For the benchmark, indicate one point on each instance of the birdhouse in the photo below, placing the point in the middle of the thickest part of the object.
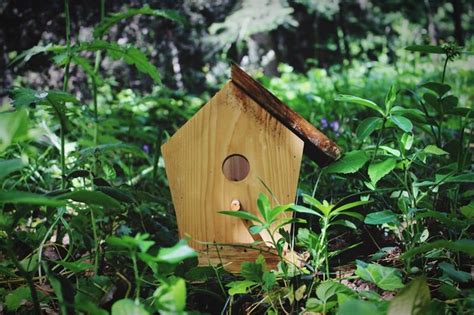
(243, 142)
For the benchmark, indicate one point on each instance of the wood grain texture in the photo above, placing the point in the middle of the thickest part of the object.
(230, 123)
(317, 146)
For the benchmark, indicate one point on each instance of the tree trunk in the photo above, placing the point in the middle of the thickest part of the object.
(458, 31)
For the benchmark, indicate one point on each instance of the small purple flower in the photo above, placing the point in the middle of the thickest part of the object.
(324, 123)
(146, 148)
(334, 125)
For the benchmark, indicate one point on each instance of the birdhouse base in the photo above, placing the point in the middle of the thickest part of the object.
(231, 256)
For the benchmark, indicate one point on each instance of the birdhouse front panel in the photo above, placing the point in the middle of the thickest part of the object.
(221, 159)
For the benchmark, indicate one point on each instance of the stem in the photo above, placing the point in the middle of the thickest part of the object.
(137, 276)
(65, 85)
(379, 139)
(96, 241)
(444, 69)
(28, 278)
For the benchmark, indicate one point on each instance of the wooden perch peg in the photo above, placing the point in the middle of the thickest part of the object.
(235, 205)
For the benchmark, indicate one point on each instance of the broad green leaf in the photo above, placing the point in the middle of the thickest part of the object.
(407, 141)
(390, 98)
(278, 210)
(351, 162)
(449, 102)
(115, 18)
(412, 299)
(263, 204)
(390, 150)
(462, 245)
(91, 198)
(131, 55)
(302, 209)
(240, 287)
(171, 295)
(255, 229)
(381, 217)
(385, 278)
(21, 197)
(128, 307)
(17, 297)
(437, 87)
(13, 127)
(468, 210)
(328, 289)
(429, 49)
(456, 275)
(9, 166)
(433, 101)
(140, 241)
(252, 271)
(351, 306)
(402, 122)
(359, 101)
(345, 223)
(76, 266)
(269, 280)
(379, 170)
(368, 126)
(242, 215)
(433, 149)
(351, 205)
(177, 253)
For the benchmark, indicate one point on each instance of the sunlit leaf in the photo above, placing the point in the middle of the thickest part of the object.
(359, 101)
(351, 162)
(380, 217)
(412, 299)
(378, 170)
(386, 278)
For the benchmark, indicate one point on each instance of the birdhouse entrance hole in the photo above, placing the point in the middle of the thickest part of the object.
(235, 167)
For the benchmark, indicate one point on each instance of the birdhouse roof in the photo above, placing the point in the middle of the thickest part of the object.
(317, 146)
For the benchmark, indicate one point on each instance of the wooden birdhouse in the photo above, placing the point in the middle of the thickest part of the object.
(242, 140)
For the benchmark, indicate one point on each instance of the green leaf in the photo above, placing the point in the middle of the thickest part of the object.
(390, 97)
(255, 229)
(449, 102)
(240, 287)
(21, 197)
(381, 217)
(456, 275)
(379, 170)
(302, 209)
(9, 166)
(468, 210)
(402, 122)
(352, 306)
(171, 295)
(242, 215)
(385, 278)
(359, 101)
(462, 245)
(252, 271)
(17, 297)
(115, 18)
(91, 198)
(438, 88)
(345, 223)
(26, 55)
(176, 254)
(269, 280)
(351, 205)
(351, 162)
(13, 127)
(429, 49)
(263, 204)
(76, 266)
(128, 307)
(412, 299)
(406, 141)
(368, 126)
(433, 101)
(328, 289)
(140, 241)
(433, 149)
(131, 55)
(278, 210)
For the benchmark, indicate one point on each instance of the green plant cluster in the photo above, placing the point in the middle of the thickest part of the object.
(86, 220)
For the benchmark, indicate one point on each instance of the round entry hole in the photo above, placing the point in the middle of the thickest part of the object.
(235, 167)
